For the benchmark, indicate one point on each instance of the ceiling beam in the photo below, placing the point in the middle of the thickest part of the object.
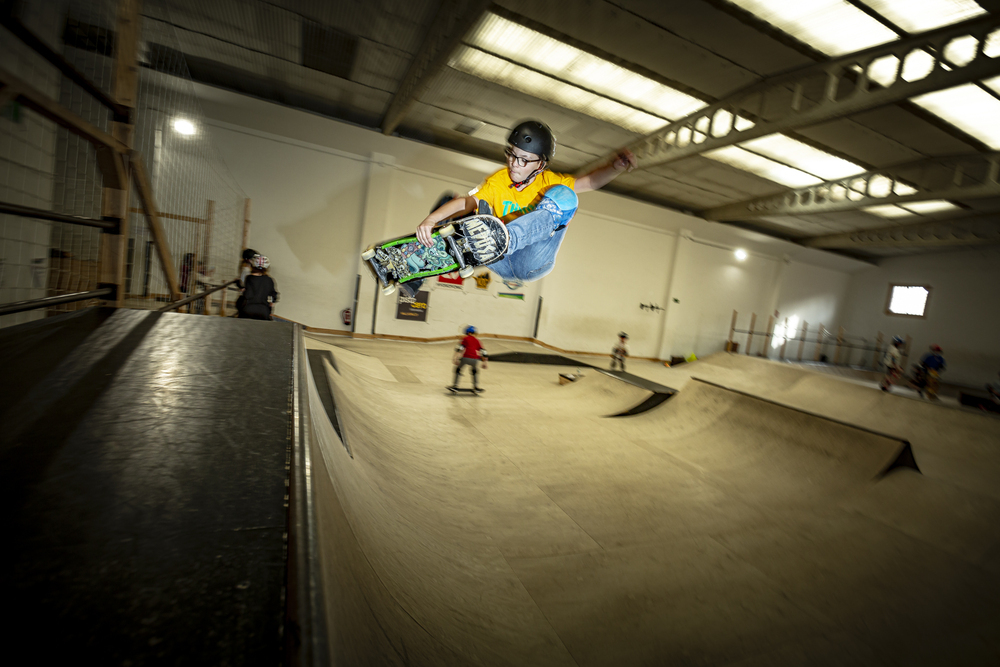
(978, 230)
(972, 176)
(454, 18)
(815, 94)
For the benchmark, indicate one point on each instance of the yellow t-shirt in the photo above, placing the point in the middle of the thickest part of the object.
(509, 203)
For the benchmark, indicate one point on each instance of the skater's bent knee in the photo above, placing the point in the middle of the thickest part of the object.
(563, 197)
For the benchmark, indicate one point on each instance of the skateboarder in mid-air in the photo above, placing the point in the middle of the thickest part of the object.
(469, 353)
(535, 203)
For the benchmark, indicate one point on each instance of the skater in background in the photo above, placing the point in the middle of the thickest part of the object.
(259, 294)
(892, 360)
(245, 267)
(620, 351)
(469, 353)
(931, 365)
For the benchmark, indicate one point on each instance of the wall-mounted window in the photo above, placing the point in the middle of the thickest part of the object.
(908, 300)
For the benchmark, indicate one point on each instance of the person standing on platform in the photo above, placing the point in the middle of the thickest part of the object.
(259, 294)
(892, 360)
(469, 353)
(620, 351)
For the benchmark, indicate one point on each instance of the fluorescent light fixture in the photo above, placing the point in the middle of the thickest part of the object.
(513, 76)
(741, 254)
(762, 166)
(802, 156)
(887, 211)
(183, 126)
(969, 108)
(835, 27)
(911, 208)
(528, 47)
(922, 15)
(931, 206)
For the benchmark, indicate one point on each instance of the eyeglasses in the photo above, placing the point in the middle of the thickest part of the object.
(517, 159)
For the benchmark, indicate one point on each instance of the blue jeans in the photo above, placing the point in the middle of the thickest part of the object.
(535, 237)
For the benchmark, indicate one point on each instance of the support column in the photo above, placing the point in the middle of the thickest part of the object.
(665, 343)
(374, 221)
(113, 250)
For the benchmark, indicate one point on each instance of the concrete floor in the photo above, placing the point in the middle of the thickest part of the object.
(522, 527)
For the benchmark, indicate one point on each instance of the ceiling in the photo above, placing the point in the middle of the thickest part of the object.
(601, 73)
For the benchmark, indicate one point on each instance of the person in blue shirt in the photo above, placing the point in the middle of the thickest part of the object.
(932, 364)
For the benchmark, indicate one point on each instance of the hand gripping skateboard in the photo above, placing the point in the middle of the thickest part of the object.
(462, 245)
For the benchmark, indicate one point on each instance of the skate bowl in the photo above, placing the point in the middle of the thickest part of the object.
(514, 529)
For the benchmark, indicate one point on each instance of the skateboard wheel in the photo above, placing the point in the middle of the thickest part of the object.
(466, 271)
(389, 290)
(368, 254)
(447, 230)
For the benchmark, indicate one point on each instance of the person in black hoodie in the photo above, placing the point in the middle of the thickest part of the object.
(259, 294)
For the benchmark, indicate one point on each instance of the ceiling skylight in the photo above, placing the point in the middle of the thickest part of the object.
(762, 166)
(922, 15)
(969, 108)
(511, 75)
(802, 156)
(540, 52)
(835, 27)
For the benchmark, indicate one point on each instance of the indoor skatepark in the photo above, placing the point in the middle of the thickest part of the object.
(811, 186)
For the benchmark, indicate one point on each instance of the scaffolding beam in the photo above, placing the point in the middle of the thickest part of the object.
(977, 230)
(971, 176)
(454, 18)
(846, 85)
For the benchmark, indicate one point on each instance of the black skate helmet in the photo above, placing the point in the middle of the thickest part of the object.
(896, 340)
(622, 334)
(248, 254)
(534, 137)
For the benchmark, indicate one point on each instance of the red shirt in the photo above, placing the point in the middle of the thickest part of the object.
(472, 347)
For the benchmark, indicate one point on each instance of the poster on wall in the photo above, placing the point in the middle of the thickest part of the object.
(482, 281)
(450, 280)
(413, 308)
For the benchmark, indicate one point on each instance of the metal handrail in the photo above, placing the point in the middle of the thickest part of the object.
(42, 214)
(200, 295)
(46, 301)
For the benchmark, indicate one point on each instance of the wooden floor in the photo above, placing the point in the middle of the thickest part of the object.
(523, 527)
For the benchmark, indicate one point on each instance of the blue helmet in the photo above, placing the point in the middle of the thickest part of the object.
(470, 330)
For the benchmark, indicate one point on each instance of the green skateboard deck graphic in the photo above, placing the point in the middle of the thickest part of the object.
(409, 255)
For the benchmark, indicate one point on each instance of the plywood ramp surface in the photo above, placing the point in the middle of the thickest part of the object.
(521, 527)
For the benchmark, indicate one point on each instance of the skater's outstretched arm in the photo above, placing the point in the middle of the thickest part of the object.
(597, 179)
(445, 211)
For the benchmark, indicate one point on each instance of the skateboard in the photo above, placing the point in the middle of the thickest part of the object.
(467, 390)
(462, 245)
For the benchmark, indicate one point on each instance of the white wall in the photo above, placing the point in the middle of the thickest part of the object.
(323, 190)
(963, 312)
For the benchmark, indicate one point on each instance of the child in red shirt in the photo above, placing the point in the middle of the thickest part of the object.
(469, 353)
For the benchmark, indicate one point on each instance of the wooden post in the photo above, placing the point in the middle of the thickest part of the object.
(113, 248)
(878, 351)
(246, 224)
(840, 343)
(785, 341)
(769, 336)
(802, 341)
(206, 247)
(732, 332)
(819, 343)
(222, 306)
(145, 192)
(753, 323)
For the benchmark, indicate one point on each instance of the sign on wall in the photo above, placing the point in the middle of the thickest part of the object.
(450, 280)
(483, 281)
(413, 308)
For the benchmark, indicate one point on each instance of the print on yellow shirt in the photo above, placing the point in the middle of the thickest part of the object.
(509, 203)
